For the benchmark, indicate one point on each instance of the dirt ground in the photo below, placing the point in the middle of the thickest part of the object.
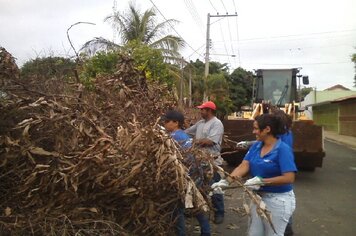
(326, 199)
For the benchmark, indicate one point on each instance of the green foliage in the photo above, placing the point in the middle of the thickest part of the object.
(305, 91)
(241, 87)
(197, 69)
(217, 85)
(100, 64)
(218, 91)
(48, 67)
(229, 92)
(143, 28)
(214, 67)
(147, 59)
(217, 67)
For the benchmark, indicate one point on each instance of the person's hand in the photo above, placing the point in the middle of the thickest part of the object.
(254, 183)
(242, 144)
(221, 184)
(245, 144)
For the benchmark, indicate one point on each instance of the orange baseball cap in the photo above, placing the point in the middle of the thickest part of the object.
(208, 104)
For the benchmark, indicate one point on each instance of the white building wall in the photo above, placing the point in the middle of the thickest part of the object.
(322, 96)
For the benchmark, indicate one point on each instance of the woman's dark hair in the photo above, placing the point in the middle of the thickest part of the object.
(287, 119)
(275, 123)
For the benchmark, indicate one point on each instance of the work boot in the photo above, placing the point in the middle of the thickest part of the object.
(218, 219)
(289, 230)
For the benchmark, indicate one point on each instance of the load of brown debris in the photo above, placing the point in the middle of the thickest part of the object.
(88, 161)
(78, 160)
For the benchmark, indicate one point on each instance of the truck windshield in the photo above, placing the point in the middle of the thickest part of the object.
(277, 86)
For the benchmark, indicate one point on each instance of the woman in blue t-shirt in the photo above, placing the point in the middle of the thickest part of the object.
(270, 162)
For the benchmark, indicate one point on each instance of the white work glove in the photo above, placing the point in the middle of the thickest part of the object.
(245, 144)
(217, 190)
(254, 183)
(221, 184)
(241, 144)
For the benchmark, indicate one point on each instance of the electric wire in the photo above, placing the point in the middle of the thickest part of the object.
(224, 6)
(229, 29)
(300, 35)
(193, 12)
(293, 64)
(237, 35)
(154, 5)
(222, 35)
(213, 7)
(294, 48)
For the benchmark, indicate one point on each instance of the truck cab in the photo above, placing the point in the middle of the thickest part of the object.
(278, 87)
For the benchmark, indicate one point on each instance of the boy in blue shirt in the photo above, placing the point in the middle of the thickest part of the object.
(173, 123)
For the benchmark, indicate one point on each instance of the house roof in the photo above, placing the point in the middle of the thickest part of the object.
(352, 97)
(338, 100)
(337, 87)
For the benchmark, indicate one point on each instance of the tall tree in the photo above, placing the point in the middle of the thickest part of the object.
(241, 82)
(142, 27)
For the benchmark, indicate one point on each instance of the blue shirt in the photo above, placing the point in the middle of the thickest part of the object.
(182, 138)
(278, 161)
(185, 142)
(287, 138)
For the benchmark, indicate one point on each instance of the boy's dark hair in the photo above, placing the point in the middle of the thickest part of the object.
(174, 116)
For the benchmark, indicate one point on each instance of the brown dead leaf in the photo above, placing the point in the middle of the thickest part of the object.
(129, 191)
(42, 152)
(7, 211)
(93, 209)
(232, 226)
(25, 131)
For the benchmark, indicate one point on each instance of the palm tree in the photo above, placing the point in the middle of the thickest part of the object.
(141, 27)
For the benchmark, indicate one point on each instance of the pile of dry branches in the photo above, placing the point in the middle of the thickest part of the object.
(88, 161)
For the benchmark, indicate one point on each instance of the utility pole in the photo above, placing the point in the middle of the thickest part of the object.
(190, 87)
(207, 47)
(181, 82)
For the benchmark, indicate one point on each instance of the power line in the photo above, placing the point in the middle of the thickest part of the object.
(290, 64)
(295, 48)
(237, 35)
(196, 50)
(233, 1)
(193, 12)
(224, 6)
(229, 29)
(213, 7)
(222, 35)
(154, 5)
(267, 40)
(298, 35)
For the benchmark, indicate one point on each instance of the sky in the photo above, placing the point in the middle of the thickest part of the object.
(318, 36)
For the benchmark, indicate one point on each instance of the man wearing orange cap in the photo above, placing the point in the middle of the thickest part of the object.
(208, 133)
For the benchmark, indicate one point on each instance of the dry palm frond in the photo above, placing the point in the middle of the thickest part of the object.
(89, 161)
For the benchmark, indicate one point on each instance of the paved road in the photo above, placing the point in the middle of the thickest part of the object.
(326, 199)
